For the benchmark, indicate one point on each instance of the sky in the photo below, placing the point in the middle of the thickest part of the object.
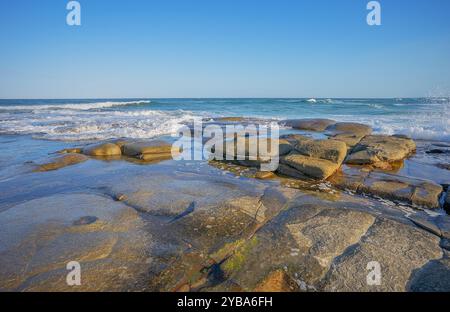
(224, 48)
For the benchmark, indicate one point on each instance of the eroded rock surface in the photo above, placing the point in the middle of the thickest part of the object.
(309, 124)
(317, 159)
(61, 162)
(400, 250)
(102, 149)
(380, 150)
(40, 237)
(390, 186)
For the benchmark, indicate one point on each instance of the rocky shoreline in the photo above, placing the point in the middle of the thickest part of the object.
(136, 220)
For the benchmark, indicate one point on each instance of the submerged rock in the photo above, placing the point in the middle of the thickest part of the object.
(102, 149)
(380, 149)
(308, 124)
(61, 162)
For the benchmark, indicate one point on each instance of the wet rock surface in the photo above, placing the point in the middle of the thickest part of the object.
(61, 162)
(137, 220)
(390, 186)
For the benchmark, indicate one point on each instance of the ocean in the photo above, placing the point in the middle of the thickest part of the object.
(78, 120)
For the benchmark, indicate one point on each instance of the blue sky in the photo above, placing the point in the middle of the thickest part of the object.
(224, 48)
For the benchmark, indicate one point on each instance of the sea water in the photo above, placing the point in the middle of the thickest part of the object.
(77, 120)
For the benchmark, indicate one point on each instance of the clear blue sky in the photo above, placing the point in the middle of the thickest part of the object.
(224, 48)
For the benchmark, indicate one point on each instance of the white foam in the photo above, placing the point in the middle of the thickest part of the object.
(72, 106)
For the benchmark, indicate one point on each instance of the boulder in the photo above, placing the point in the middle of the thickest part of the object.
(379, 149)
(61, 162)
(308, 124)
(102, 149)
(400, 250)
(148, 147)
(349, 127)
(332, 150)
(73, 150)
(317, 159)
(315, 168)
(350, 139)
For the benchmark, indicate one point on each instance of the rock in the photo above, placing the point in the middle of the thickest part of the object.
(302, 241)
(348, 138)
(85, 220)
(38, 238)
(447, 200)
(389, 186)
(75, 150)
(317, 159)
(426, 224)
(277, 281)
(438, 151)
(230, 119)
(375, 149)
(445, 244)
(149, 147)
(433, 277)
(332, 150)
(444, 166)
(264, 175)
(308, 124)
(315, 168)
(350, 127)
(399, 249)
(155, 157)
(285, 147)
(61, 162)
(102, 149)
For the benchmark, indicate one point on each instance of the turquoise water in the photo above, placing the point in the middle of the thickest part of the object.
(73, 120)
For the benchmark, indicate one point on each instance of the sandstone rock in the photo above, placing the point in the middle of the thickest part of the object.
(389, 186)
(308, 124)
(303, 241)
(277, 281)
(315, 168)
(102, 149)
(350, 127)
(230, 119)
(398, 248)
(263, 175)
(375, 149)
(350, 139)
(149, 147)
(332, 150)
(61, 162)
(316, 159)
(40, 237)
(285, 147)
(74, 150)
